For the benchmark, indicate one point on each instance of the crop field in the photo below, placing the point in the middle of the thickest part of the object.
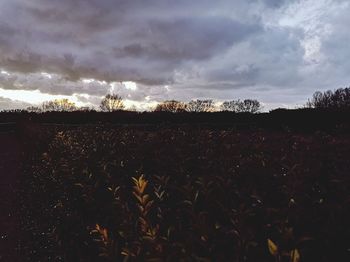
(185, 193)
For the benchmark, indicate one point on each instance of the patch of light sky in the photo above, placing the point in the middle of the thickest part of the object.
(35, 97)
(46, 75)
(312, 17)
(127, 84)
(4, 72)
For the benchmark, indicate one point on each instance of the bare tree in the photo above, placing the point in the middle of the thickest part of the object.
(133, 108)
(61, 105)
(230, 106)
(340, 98)
(85, 109)
(112, 102)
(316, 100)
(171, 106)
(248, 105)
(251, 106)
(200, 106)
(34, 109)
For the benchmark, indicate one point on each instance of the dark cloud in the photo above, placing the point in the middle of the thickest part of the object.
(111, 40)
(52, 84)
(277, 3)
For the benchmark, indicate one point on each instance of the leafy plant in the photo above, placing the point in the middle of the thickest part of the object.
(293, 255)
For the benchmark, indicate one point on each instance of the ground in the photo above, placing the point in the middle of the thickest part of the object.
(212, 192)
(10, 163)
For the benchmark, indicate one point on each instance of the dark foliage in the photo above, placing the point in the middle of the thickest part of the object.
(171, 106)
(199, 193)
(247, 105)
(339, 99)
(294, 120)
(200, 105)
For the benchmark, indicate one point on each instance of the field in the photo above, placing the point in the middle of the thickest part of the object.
(171, 192)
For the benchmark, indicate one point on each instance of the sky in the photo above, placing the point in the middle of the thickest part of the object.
(276, 51)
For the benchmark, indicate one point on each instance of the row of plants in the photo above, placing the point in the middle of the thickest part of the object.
(186, 194)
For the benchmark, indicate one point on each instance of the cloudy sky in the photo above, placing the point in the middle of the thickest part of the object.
(276, 51)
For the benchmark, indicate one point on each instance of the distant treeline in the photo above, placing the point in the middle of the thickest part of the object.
(306, 119)
(114, 102)
(338, 99)
(326, 111)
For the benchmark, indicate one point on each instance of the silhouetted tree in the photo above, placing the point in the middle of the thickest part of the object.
(170, 106)
(59, 105)
(112, 102)
(230, 106)
(251, 106)
(200, 105)
(34, 109)
(248, 105)
(86, 109)
(340, 98)
(132, 108)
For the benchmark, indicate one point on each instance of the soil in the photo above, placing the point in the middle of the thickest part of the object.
(10, 170)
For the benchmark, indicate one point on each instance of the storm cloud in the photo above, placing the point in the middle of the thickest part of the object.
(279, 52)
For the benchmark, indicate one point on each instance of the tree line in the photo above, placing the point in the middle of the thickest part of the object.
(114, 102)
(208, 105)
(337, 99)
